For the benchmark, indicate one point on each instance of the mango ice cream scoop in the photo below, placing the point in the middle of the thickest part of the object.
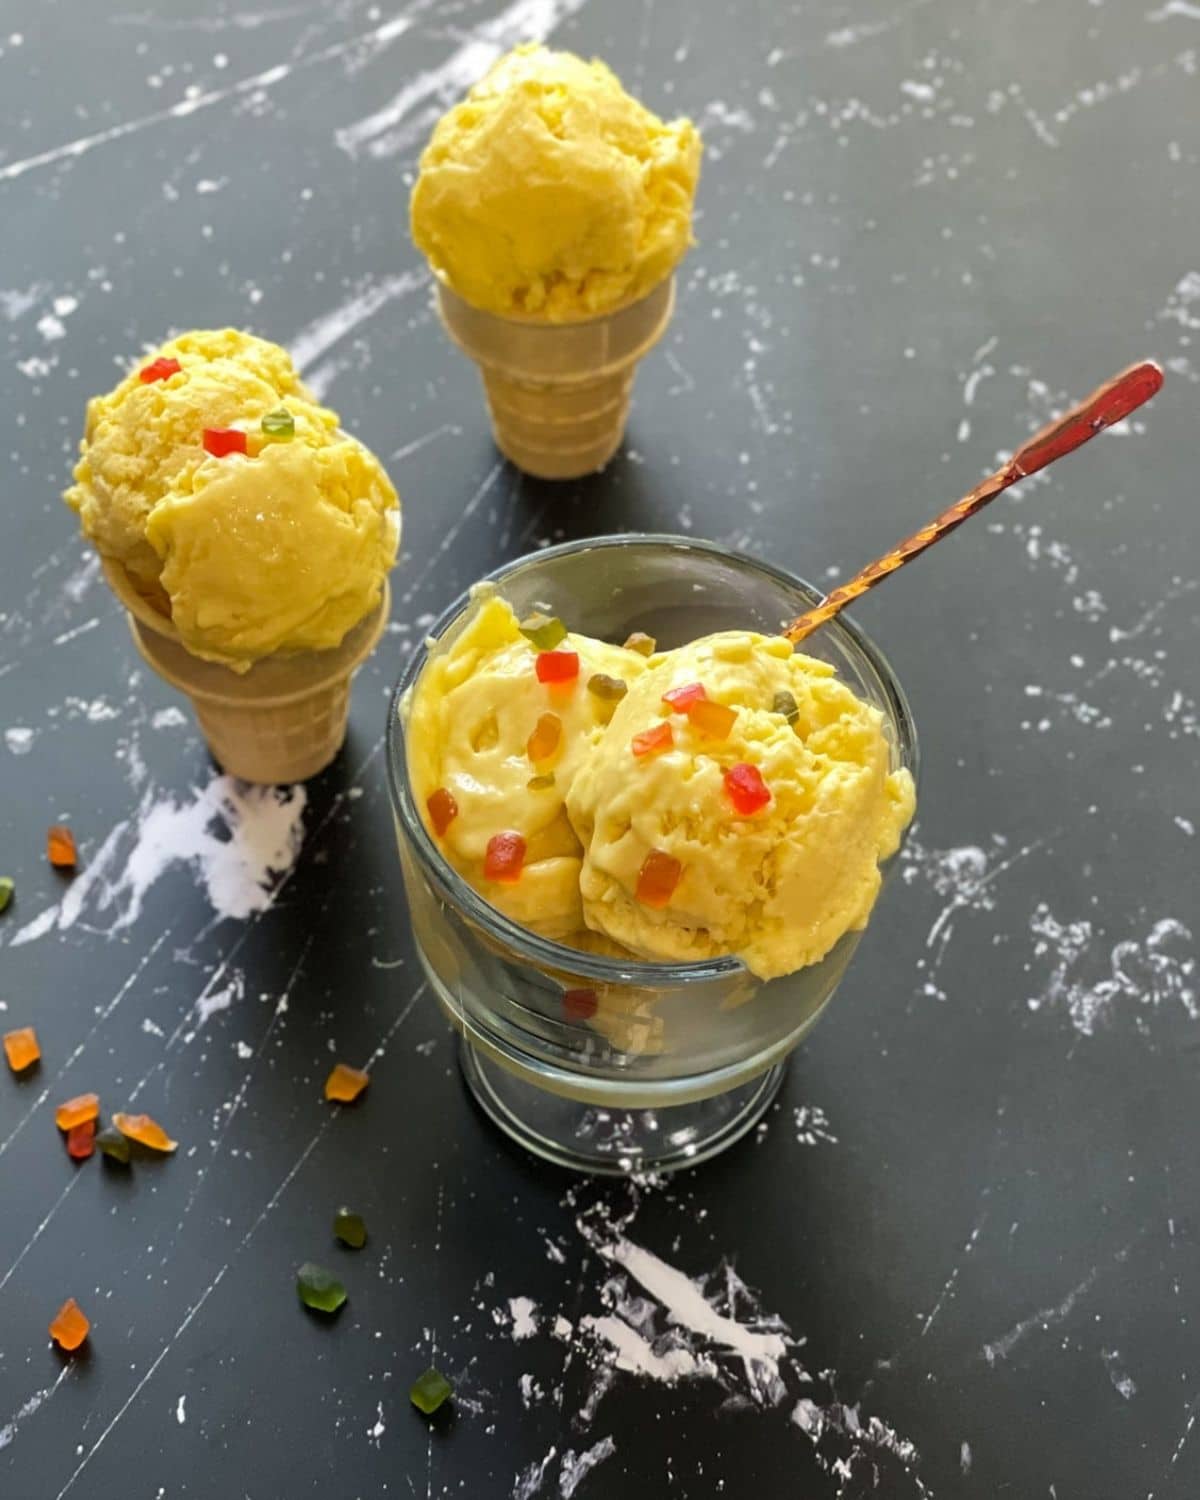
(249, 538)
(731, 796)
(553, 209)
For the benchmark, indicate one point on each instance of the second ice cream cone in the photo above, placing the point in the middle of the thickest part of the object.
(284, 719)
(558, 393)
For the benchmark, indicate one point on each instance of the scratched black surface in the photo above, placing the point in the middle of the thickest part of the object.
(923, 227)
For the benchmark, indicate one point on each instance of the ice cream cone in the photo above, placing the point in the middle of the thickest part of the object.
(284, 719)
(558, 393)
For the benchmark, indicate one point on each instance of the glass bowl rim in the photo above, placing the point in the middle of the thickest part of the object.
(528, 945)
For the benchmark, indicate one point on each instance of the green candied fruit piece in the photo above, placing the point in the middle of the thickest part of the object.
(6, 890)
(114, 1145)
(543, 632)
(608, 689)
(786, 705)
(319, 1289)
(540, 783)
(350, 1228)
(429, 1391)
(279, 426)
(643, 644)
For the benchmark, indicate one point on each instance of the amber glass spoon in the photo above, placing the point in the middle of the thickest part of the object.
(1113, 402)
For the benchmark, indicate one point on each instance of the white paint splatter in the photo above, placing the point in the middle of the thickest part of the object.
(529, 1481)
(524, 1317)
(168, 718)
(378, 1428)
(1123, 1383)
(1143, 975)
(180, 1410)
(208, 1005)
(19, 739)
(576, 1467)
(319, 336)
(239, 840)
(812, 1125)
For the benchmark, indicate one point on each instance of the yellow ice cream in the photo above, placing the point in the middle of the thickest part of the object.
(470, 722)
(779, 887)
(284, 548)
(549, 192)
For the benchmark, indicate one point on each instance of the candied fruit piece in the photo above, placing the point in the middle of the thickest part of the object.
(429, 1391)
(114, 1145)
(319, 1289)
(679, 698)
(222, 441)
(652, 741)
(21, 1048)
(607, 689)
(81, 1140)
(278, 426)
(70, 1326)
(77, 1111)
(786, 705)
(159, 369)
(6, 890)
(747, 790)
(442, 810)
(557, 666)
(145, 1131)
(543, 743)
(60, 847)
(505, 858)
(579, 1005)
(345, 1083)
(713, 720)
(643, 644)
(540, 783)
(543, 632)
(657, 879)
(350, 1228)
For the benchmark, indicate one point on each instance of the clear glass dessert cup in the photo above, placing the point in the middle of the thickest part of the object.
(618, 1065)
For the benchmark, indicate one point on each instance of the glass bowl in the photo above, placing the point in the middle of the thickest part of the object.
(600, 1064)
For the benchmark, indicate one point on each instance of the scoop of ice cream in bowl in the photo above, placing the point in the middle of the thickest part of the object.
(641, 837)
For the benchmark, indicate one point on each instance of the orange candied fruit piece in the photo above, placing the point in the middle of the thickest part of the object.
(145, 1131)
(442, 810)
(77, 1111)
(713, 720)
(652, 741)
(70, 1326)
(680, 697)
(543, 743)
(21, 1048)
(81, 1140)
(505, 858)
(345, 1083)
(60, 847)
(657, 879)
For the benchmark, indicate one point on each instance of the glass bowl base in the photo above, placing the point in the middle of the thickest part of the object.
(615, 1142)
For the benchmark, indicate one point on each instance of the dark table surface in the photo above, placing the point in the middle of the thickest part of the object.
(972, 1219)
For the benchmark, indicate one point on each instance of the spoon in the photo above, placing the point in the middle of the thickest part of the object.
(1112, 402)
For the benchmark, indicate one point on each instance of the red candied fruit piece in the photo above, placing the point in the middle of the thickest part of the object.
(653, 741)
(580, 1005)
(557, 666)
(442, 810)
(505, 858)
(222, 441)
(680, 697)
(81, 1140)
(713, 720)
(747, 790)
(657, 879)
(159, 369)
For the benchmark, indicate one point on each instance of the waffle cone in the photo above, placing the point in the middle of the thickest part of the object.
(558, 393)
(284, 719)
